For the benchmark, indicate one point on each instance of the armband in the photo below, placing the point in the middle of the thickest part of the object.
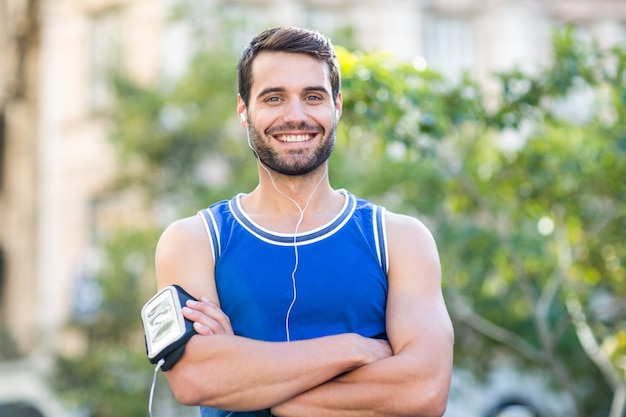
(166, 329)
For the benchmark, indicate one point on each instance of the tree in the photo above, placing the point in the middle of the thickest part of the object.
(526, 202)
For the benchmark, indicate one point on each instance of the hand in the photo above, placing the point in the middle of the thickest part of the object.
(208, 318)
(371, 350)
(378, 349)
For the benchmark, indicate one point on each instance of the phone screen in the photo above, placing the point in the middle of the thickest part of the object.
(164, 323)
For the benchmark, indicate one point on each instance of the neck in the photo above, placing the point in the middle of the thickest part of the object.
(293, 204)
(300, 191)
(290, 195)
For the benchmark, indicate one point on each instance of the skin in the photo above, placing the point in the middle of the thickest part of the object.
(340, 375)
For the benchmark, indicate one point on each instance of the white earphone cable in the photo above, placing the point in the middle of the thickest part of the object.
(295, 233)
(154, 378)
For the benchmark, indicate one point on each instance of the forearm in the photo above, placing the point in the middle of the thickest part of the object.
(395, 386)
(238, 374)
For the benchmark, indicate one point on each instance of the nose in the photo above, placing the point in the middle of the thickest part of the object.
(294, 112)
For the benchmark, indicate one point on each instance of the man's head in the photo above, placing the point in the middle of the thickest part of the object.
(290, 40)
(289, 100)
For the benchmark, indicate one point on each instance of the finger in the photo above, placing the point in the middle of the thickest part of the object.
(212, 310)
(203, 325)
(219, 316)
(205, 321)
(201, 329)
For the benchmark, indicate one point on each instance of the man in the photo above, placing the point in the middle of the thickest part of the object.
(312, 302)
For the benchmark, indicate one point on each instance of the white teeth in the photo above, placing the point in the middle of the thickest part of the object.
(293, 138)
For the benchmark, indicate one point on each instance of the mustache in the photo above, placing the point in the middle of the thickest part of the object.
(290, 127)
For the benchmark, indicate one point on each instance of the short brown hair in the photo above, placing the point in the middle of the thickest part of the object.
(293, 40)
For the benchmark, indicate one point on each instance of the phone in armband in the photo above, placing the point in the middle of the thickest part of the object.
(166, 330)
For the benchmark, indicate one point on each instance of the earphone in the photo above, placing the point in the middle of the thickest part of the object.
(302, 210)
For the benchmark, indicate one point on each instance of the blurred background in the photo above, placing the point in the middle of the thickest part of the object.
(500, 123)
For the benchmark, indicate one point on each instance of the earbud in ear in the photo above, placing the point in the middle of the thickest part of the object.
(242, 116)
(336, 114)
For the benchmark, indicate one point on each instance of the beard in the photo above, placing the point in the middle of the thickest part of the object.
(295, 162)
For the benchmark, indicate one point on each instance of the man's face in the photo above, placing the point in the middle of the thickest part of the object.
(291, 114)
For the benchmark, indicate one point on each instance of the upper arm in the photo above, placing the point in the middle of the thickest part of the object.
(184, 257)
(418, 323)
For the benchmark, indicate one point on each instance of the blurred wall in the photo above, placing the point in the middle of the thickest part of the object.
(20, 52)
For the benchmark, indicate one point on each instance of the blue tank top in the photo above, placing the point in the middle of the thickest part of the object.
(281, 287)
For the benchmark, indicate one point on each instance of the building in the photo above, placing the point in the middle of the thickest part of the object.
(55, 162)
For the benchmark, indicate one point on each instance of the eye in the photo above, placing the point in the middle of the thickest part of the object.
(314, 97)
(272, 99)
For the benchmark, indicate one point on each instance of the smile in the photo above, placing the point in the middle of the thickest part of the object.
(294, 138)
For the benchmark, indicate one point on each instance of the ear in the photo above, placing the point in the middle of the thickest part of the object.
(242, 111)
(338, 106)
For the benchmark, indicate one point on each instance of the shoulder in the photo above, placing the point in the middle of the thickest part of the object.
(191, 230)
(402, 226)
(403, 231)
(183, 255)
(186, 231)
(411, 244)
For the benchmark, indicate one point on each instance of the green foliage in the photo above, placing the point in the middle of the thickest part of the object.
(112, 376)
(169, 134)
(527, 203)
(112, 380)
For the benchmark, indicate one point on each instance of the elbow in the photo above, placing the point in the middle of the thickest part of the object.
(429, 406)
(185, 397)
(429, 402)
(183, 387)
(437, 406)
(437, 403)
(186, 386)
(193, 380)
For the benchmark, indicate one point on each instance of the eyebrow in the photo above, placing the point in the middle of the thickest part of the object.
(270, 90)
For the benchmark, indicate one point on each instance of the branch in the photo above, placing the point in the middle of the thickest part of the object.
(590, 344)
(599, 358)
(465, 313)
(542, 309)
(566, 258)
(618, 407)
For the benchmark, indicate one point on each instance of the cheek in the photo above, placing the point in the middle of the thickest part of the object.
(323, 116)
(265, 118)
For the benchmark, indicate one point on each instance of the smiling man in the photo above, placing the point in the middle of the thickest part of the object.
(312, 301)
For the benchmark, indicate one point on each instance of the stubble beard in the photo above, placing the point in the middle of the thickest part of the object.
(297, 162)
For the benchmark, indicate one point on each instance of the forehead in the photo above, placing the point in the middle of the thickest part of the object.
(288, 71)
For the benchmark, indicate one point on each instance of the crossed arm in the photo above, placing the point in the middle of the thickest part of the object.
(342, 375)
